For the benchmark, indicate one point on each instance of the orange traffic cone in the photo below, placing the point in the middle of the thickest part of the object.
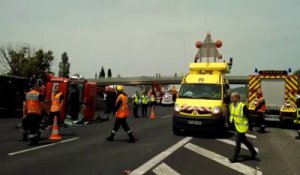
(152, 115)
(55, 134)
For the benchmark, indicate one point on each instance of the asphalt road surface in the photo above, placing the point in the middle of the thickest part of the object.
(84, 150)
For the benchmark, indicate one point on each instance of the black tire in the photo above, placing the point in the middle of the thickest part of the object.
(177, 131)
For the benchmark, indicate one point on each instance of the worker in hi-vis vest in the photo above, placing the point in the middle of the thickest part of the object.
(144, 100)
(260, 111)
(121, 111)
(136, 102)
(32, 115)
(240, 117)
(57, 100)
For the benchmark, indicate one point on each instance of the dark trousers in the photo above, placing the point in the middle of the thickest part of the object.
(135, 109)
(241, 138)
(109, 109)
(74, 111)
(51, 117)
(144, 110)
(121, 122)
(32, 123)
(152, 104)
(261, 120)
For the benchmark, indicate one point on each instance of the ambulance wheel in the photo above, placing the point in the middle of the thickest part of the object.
(283, 123)
(177, 131)
(221, 129)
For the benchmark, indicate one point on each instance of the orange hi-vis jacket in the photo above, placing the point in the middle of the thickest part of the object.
(33, 104)
(55, 102)
(123, 111)
(263, 106)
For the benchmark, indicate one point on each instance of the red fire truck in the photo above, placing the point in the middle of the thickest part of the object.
(77, 91)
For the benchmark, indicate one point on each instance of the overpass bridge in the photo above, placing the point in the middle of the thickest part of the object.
(145, 80)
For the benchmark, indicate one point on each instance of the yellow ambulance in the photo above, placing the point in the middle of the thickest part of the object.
(201, 99)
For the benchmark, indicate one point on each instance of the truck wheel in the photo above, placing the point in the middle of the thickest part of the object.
(177, 131)
(283, 123)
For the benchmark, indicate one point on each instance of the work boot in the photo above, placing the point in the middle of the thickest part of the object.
(253, 157)
(232, 160)
(298, 137)
(33, 142)
(24, 138)
(262, 129)
(131, 138)
(39, 135)
(111, 137)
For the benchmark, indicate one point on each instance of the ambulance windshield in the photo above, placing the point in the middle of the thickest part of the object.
(200, 91)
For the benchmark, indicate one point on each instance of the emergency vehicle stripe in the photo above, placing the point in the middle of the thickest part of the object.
(253, 85)
(191, 108)
(294, 79)
(184, 107)
(291, 86)
(252, 79)
(199, 108)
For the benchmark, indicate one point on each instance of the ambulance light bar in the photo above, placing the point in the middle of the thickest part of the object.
(272, 72)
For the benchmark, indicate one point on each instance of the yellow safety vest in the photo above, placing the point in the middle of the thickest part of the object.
(152, 98)
(136, 99)
(144, 99)
(237, 115)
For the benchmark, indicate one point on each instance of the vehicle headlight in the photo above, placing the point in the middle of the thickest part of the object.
(216, 110)
(176, 108)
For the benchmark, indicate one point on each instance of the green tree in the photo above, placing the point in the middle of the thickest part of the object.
(64, 66)
(21, 60)
(109, 74)
(297, 72)
(102, 73)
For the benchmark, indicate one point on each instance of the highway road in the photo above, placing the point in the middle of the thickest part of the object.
(84, 150)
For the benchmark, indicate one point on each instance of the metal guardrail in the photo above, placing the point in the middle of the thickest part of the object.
(233, 79)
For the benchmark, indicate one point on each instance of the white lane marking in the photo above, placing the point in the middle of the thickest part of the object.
(223, 160)
(164, 169)
(158, 158)
(247, 135)
(230, 142)
(251, 136)
(167, 116)
(42, 146)
(69, 140)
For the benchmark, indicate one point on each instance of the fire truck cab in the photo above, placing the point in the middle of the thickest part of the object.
(77, 92)
(279, 91)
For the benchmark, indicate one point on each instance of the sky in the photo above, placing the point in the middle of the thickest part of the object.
(144, 37)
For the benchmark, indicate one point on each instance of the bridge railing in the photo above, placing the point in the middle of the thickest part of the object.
(145, 80)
